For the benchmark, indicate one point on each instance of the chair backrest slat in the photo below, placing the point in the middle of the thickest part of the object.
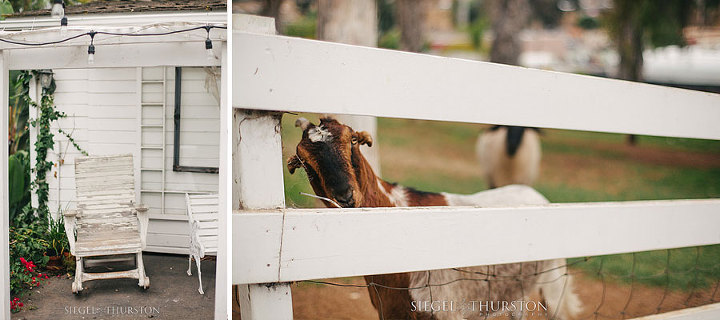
(105, 178)
(105, 189)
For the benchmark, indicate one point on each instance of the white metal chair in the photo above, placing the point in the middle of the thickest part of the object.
(202, 210)
(106, 221)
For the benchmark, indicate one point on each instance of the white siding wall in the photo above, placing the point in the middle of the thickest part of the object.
(199, 146)
(100, 106)
(104, 114)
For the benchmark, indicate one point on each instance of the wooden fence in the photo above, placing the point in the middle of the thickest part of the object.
(273, 245)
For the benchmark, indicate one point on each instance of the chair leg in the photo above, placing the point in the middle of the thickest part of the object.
(77, 284)
(143, 280)
(189, 272)
(197, 261)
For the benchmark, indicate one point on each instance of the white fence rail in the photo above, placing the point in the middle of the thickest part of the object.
(291, 74)
(272, 245)
(326, 243)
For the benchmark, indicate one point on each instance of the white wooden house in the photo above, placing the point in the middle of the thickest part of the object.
(125, 102)
(132, 110)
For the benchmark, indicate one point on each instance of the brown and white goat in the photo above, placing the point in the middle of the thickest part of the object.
(509, 155)
(330, 154)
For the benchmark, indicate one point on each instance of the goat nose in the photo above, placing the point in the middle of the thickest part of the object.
(345, 197)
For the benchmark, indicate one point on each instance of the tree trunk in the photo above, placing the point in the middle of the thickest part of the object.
(271, 8)
(352, 22)
(410, 16)
(629, 39)
(509, 18)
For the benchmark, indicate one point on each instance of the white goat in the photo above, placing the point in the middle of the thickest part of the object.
(509, 155)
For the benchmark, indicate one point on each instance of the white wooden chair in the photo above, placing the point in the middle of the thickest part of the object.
(202, 212)
(106, 221)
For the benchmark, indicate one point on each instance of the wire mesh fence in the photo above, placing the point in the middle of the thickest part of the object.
(610, 287)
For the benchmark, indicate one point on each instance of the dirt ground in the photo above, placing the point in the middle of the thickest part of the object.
(172, 295)
(312, 301)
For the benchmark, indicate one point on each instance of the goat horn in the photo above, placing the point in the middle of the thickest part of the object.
(302, 123)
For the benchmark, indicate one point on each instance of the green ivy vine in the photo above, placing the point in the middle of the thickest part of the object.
(45, 117)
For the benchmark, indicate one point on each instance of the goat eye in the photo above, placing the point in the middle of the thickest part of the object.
(354, 140)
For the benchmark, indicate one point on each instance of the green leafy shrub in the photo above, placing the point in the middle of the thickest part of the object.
(26, 246)
(56, 237)
(390, 39)
(588, 23)
(19, 183)
(306, 27)
(476, 30)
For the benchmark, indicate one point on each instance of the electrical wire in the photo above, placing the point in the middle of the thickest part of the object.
(92, 33)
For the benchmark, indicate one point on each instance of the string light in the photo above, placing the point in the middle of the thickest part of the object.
(58, 9)
(91, 34)
(91, 48)
(208, 45)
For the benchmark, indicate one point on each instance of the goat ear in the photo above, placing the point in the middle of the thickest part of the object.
(364, 138)
(293, 163)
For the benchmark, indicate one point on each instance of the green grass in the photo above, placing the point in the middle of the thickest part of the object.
(686, 267)
(648, 183)
(577, 167)
(679, 144)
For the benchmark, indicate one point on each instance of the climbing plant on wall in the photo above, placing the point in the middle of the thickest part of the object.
(46, 115)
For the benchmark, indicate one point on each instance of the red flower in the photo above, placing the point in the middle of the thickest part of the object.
(20, 304)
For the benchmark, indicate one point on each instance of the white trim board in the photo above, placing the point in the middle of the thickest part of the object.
(114, 56)
(291, 74)
(53, 34)
(328, 243)
(95, 20)
(4, 205)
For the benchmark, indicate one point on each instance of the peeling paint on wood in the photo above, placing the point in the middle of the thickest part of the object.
(106, 221)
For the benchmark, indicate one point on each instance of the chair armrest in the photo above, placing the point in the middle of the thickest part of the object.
(144, 220)
(69, 218)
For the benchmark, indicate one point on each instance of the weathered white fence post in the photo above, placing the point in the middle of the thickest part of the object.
(257, 185)
(222, 286)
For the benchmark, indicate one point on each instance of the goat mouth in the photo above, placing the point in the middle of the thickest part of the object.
(346, 204)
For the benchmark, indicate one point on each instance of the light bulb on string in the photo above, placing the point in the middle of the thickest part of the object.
(58, 9)
(209, 50)
(91, 49)
(208, 45)
(63, 25)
